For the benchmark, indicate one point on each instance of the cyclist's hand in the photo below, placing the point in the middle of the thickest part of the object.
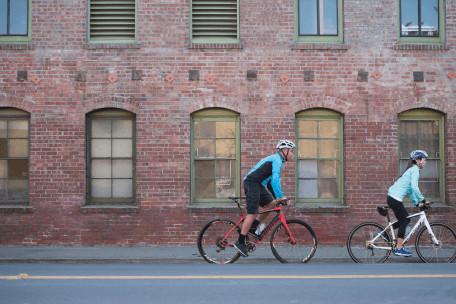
(282, 200)
(424, 205)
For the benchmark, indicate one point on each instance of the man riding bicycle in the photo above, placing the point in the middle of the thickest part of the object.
(265, 172)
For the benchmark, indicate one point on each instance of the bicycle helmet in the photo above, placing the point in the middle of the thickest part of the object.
(285, 144)
(418, 154)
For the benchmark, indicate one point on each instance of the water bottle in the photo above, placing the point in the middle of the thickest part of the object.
(260, 229)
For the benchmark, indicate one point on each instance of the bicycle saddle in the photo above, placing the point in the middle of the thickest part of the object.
(383, 210)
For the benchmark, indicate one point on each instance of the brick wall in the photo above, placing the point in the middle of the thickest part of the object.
(58, 105)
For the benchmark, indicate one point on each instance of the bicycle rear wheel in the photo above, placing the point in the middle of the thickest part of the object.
(359, 243)
(211, 243)
(305, 242)
(444, 252)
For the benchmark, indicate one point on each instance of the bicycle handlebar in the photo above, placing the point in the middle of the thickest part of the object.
(426, 206)
(282, 202)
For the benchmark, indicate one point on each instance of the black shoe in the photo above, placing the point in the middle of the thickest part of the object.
(241, 247)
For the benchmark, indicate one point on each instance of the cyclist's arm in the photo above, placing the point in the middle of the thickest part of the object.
(414, 192)
(275, 178)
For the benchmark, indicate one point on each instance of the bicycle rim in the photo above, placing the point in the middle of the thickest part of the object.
(305, 242)
(359, 244)
(444, 251)
(211, 245)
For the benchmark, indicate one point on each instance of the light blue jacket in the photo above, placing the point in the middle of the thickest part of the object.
(407, 184)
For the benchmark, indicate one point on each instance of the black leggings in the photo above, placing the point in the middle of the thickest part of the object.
(401, 215)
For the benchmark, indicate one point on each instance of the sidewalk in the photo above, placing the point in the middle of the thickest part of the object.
(157, 254)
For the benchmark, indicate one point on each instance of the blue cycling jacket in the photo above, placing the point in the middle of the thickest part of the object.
(407, 184)
(268, 169)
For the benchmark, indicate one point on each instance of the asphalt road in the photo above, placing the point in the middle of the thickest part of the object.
(237, 283)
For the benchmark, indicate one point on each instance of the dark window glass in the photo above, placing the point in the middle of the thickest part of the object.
(318, 17)
(14, 17)
(420, 18)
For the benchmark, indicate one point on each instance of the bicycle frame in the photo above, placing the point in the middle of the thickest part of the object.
(277, 217)
(422, 219)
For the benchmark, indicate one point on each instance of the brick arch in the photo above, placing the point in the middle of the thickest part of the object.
(7, 101)
(125, 103)
(232, 105)
(403, 105)
(326, 102)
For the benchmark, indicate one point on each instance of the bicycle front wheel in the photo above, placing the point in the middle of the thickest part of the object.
(304, 247)
(360, 245)
(442, 252)
(215, 241)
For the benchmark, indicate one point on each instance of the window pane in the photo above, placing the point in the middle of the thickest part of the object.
(3, 17)
(3, 190)
(17, 189)
(226, 129)
(307, 169)
(431, 146)
(122, 168)
(204, 188)
(225, 188)
(101, 129)
(122, 188)
(101, 188)
(307, 17)
(403, 164)
(101, 148)
(328, 17)
(409, 18)
(431, 170)
(3, 128)
(122, 128)
(407, 146)
(329, 129)
(328, 169)
(409, 128)
(18, 168)
(3, 169)
(429, 129)
(18, 17)
(18, 148)
(101, 168)
(328, 148)
(122, 148)
(225, 168)
(328, 188)
(204, 129)
(204, 148)
(307, 128)
(429, 188)
(430, 18)
(3, 148)
(225, 148)
(204, 169)
(18, 129)
(307, 148)
(307, 188)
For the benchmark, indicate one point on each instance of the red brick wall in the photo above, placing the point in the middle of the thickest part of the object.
(58, 105)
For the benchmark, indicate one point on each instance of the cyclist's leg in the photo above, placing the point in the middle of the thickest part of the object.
(266, 202)
(401, 215)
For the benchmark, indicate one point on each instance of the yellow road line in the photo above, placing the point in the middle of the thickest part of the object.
(388, 276)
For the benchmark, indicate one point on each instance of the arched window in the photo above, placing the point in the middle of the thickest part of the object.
(319, 156)
(14, 156)
(423, 129)
(215, 155)
(111, 156)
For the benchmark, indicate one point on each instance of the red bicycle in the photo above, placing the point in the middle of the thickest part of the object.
(292, 241)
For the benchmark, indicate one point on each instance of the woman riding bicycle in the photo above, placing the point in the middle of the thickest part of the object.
(406, 184)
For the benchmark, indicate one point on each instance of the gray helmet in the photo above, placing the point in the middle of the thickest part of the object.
(285, 144)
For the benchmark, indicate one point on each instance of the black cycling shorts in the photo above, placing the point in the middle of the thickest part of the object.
(256, 195)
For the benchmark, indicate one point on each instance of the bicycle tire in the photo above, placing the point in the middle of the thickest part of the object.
(428, 252)
(358, 245)
(209, 242)
(300, 252)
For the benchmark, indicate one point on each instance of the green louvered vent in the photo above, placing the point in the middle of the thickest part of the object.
(112, 20)
(214, 19)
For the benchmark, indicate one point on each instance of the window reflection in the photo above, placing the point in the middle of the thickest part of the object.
(420, 18)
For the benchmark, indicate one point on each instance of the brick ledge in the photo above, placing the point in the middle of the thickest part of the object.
(311, 46)
(320, 209)
(17, 46)
(105, 46)
(109, 209)
(215, 45)
(419, 47)
(16, 209)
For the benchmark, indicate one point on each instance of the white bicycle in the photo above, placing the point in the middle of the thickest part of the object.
(370, 242)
